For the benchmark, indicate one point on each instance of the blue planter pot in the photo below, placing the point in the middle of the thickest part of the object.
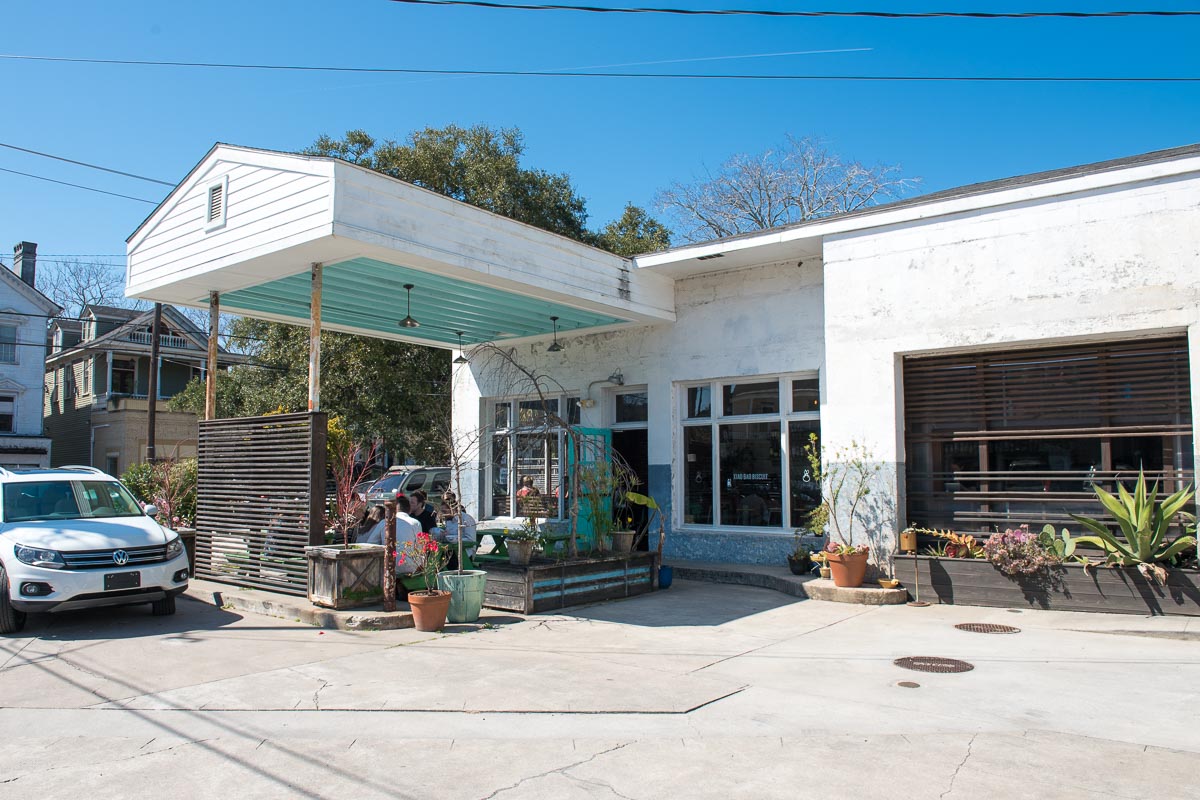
(665, 576)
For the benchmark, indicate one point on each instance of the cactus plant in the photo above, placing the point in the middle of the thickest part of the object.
(1063, 546)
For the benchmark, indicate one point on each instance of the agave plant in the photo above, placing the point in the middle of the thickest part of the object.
(1144, 523)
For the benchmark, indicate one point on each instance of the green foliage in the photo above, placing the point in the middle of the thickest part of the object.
(1061, 545)
(139, 479)
(1144, 524)
(635, 233)
(379, 389)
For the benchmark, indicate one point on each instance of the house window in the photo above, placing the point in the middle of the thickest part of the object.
(747, 467)
(527, 444)
(8, 411)
(112, 463)
(69, 378)
(8, 344)
(87, 377)
(124, 376)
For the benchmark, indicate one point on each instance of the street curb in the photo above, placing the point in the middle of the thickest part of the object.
(298, 609)
(794, 585)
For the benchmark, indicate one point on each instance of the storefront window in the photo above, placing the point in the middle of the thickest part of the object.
(526, 452)
(631, 407)
(751, 484)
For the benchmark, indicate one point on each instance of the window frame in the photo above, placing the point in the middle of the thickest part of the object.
(10, 397)
(15, 344)
(511, 433)
(717, 417)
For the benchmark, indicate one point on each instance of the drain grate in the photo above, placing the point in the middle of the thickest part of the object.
(909, 684)
(933, 664)
(986, 627)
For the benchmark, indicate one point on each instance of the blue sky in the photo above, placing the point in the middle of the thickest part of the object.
(619, 140)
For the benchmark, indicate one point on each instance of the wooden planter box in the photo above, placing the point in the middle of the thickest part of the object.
(345, 576)
(546, 585)
(1122, 590)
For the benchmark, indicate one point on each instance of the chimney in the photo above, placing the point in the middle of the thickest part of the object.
(25, 262)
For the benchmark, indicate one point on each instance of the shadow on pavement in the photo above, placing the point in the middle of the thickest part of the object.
(131, 622)
(686, 604)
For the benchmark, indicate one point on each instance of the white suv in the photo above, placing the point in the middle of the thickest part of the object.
(76, 538)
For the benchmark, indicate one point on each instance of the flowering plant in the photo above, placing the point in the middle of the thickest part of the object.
(426, 555)
(839, 549)
(1018, 552)
(528, 532)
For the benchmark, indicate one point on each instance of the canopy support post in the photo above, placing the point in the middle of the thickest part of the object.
(314, 341)
(210, 370)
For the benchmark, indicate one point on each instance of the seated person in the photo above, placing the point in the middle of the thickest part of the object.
(456, 524)
(407, 529)
(422, 511)
(369, 521)
(527, 488)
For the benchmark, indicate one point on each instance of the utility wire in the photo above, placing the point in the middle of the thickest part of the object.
(78, 186)
(746, 12)
(86, 164)
(650, 75)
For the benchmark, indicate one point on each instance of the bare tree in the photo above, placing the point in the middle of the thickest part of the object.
(800, 180)
(76, 284)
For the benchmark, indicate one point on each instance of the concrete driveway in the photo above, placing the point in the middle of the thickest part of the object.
(696, 692)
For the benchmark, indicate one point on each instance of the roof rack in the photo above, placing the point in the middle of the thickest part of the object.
(84, 468)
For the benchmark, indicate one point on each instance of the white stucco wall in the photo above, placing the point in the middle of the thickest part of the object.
(760, 321)
(1112, 263)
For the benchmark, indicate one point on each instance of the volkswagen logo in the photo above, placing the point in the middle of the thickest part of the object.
(120, 557)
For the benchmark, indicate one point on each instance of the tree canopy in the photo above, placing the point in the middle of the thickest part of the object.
(799, 180)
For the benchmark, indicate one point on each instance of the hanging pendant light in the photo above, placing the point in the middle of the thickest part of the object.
(462, 357)
(556, 347)
(408, 321)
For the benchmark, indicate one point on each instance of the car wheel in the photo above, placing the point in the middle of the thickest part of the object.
(164, 607)
(11, 620)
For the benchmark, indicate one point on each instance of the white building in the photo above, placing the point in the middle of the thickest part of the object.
(24, 312)
(996, 349)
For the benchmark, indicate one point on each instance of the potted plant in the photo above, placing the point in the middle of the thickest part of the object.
(520, 542)
(666, 574)
(800, 560)
(847, 563)
(430, 606)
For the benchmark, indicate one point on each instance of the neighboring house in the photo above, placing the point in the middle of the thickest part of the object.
(23, 314)
(999, 348)
(97, 379)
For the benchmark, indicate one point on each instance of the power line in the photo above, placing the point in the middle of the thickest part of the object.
(644, 75)
(86, 164)
(745, 12)
(78, 186)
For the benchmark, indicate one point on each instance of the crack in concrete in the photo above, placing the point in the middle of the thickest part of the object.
(109, 762)
(954, 777)
(558, 770)
(600, 784)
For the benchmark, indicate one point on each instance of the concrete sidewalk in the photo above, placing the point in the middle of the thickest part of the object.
(700, 691)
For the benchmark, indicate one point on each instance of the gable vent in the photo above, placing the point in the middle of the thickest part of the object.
(217, 205)
(216, 202)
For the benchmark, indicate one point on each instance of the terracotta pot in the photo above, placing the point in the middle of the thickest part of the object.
(848, 571)
(429, 610)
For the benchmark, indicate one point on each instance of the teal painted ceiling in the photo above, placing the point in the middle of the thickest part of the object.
(369, 294)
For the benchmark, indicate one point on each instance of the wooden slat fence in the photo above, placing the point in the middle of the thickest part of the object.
(260, 499)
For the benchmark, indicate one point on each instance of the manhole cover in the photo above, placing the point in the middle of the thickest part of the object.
(933, 664)
(986, 627)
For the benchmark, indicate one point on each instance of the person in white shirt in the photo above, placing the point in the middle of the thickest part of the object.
(456, 524)
(407, 529)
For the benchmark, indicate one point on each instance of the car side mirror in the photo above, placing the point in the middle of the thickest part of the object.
(151, 510)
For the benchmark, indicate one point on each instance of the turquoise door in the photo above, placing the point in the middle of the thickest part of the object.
(595, 446)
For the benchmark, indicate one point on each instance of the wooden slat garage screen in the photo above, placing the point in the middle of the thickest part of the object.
(997, 439)
(260, 499)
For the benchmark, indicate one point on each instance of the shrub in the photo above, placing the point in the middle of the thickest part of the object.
(1019, 552)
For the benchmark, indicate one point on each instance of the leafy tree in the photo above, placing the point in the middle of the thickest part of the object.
(798, 181)
(636, 232)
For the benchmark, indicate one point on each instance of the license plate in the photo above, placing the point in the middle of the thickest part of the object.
(122, 580)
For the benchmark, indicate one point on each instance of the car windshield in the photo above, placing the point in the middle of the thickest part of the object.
(46, 500)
